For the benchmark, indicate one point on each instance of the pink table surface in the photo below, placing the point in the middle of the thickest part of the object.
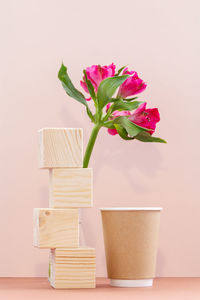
(39, 288)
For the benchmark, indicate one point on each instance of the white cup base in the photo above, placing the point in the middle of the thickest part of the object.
(131, 283)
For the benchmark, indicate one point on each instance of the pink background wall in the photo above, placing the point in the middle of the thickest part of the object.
(160, 39)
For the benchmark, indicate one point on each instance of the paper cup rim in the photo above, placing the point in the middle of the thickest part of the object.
(130, 208)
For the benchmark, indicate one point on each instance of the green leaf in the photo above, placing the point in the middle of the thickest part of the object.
(90, 115)
(109, 124)
(124, 99)
(121, 105)
(107, 88)
(114, 99)
(69, 87)
(90, 86)
(123, 133)
(146, 137)
(131, 128)
(130, 99)
(120, 70)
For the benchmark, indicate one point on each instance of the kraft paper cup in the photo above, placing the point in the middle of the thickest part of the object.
(130, 239)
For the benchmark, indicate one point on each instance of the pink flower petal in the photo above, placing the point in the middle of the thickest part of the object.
(140, 109)
(84, 86)
(108, 106)
(112, 131)
(96, 74)
(146, 118)
(132, 85)
(118, 113)
(125, 71)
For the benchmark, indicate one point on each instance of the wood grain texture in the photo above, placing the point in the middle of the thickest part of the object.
(61, 147)
(70, 187)
(56, 228)
(72, 268)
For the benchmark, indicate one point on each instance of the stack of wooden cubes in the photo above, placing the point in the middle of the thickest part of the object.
(57, 227)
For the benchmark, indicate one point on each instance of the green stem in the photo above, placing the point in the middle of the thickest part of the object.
(108, 113)
(90, 145)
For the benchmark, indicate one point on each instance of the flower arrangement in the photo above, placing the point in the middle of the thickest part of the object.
(115, 107)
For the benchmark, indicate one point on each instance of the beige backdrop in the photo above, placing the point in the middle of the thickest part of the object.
(159, 39)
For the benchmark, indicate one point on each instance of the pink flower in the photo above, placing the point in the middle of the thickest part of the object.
(146, 118)
(96, 74)
(116, 114)
(143, 117)
(112, 131)
(132, 85)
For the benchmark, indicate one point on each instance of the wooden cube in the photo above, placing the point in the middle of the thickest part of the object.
(56, 228)
(70, 187)
(72, 268)
(61, 147)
